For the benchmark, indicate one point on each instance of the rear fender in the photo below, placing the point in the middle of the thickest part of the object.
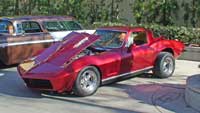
(174, 46)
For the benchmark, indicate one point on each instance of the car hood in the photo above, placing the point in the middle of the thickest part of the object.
(62, 52)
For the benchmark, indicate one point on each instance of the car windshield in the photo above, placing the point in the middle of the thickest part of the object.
(61, 25)
(110, 39)
(4, 25)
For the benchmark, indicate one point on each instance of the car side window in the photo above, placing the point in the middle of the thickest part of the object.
(71, 25)
(139, 38)
(61, 25)
(53, 26)
(31, 27)
(6, 27)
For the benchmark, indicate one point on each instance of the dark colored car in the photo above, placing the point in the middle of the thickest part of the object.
(83, 62)
(23, 37)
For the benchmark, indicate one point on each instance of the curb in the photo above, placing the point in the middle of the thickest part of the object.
(191, 53)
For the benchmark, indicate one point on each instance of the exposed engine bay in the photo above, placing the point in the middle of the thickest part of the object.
(84, 53)
(90, 51)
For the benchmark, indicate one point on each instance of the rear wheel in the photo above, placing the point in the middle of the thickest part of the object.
(164, 66)
(87, 82)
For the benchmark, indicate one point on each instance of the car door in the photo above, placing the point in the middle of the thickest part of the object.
(143, 54)
(27, 43)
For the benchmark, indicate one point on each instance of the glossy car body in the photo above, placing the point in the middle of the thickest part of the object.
(57, 68)
(23, 37)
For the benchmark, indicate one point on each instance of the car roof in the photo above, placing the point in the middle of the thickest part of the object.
(122, 28)
(38, 18)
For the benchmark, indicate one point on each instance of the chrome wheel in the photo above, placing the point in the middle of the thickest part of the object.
(88, 80)
(164, 66)
(168, 65)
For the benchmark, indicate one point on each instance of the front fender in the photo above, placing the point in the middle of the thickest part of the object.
(75, 67)
(107, 63)
(81, 63)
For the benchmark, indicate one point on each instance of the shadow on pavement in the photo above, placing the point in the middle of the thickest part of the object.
(11, 84)
(167, 96)
(93, 104)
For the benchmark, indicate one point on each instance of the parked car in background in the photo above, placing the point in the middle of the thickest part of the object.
(61, 27)
(82, 62)
(23, 37)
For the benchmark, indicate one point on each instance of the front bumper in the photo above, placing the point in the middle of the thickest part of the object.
(59, 82)
(38, 83)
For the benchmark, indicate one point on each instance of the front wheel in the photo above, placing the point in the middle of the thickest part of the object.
(164, 66)
(87, 82)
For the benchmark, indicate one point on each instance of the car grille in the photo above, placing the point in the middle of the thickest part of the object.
(36, 83)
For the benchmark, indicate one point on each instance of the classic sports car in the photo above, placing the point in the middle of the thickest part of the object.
(83, 62)
(23, 37)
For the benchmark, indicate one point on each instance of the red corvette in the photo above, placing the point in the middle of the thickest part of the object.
(83, 62)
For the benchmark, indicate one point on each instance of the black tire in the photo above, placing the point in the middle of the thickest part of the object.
(164, 66)
(87, 82)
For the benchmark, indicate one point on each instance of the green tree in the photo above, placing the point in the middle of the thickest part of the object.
(192, 12)
(154, 11)
(114, 14)
(7, 7)
(103, 10)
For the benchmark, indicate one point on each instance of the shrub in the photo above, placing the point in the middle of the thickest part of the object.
(184, 34)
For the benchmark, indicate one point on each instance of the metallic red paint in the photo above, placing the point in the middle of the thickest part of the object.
(56, 65)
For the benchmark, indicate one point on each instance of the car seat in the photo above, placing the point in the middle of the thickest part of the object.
(140, 39)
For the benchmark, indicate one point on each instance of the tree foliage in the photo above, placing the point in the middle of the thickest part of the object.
(84, 10)
(164, 12)
(155, 11)
(167, 12)
(191, 12)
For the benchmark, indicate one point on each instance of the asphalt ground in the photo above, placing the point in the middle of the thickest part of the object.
(141, 94)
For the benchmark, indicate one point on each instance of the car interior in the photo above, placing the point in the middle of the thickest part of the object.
(140, 38)
(31, 27)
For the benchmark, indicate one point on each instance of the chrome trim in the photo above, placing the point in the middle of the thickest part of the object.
(125, 74)
(24, 43)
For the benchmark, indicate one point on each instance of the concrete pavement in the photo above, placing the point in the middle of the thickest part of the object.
(136, 95)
